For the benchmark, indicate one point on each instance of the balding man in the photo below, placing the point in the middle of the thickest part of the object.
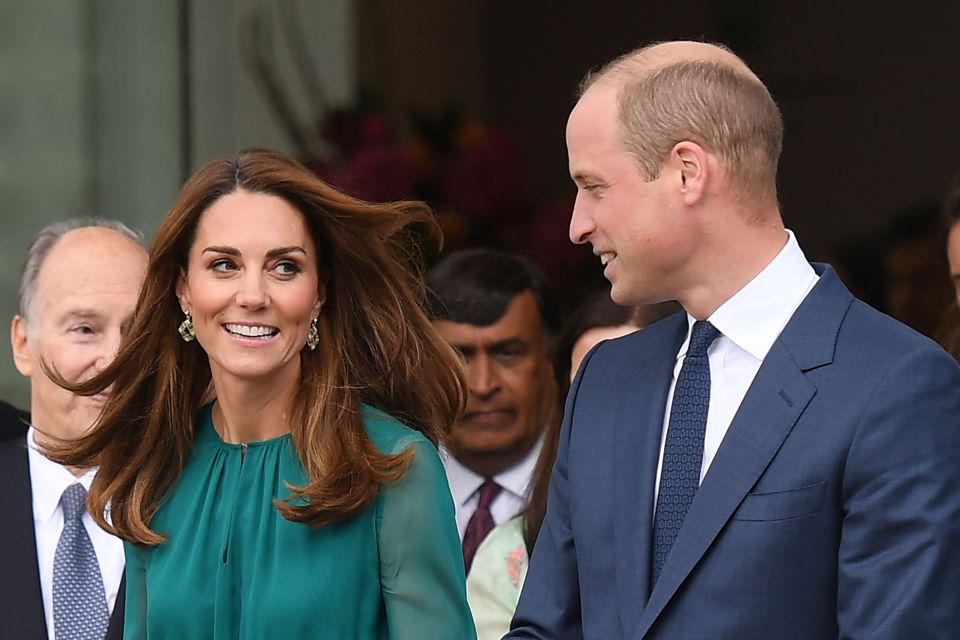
(780, 461)
(60, 574)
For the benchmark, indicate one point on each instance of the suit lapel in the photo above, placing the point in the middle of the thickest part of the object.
(21, 608)
(638, 427)
(775, 401)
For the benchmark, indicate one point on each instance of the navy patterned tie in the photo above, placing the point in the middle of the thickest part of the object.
(79, 602)
(683, 450)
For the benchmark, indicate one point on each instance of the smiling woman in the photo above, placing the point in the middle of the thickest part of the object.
(252, 290)
(264, 453)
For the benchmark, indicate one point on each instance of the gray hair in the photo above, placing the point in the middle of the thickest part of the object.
(42, 244)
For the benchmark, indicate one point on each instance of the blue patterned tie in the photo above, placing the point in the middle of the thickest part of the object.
(683, 450)
(79, 602)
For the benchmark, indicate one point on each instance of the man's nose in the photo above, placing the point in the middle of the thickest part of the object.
(482, 376)
(108, 349)
(581, 223)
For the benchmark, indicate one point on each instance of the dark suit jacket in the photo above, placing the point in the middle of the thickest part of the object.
(21, 607)
(832, 508)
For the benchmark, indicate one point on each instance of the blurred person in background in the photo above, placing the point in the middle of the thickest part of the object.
(915, 268)
(61, 574)
(949, 334)
(496, 310)
(500, 566)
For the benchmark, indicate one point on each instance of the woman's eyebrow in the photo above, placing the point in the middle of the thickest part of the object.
(284, 250)
(230, 251)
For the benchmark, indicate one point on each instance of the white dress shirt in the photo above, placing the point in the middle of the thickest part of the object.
(48, 480)
(465, 487)
(749, 324)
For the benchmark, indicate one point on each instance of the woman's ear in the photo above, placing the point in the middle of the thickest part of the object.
(183, 292)
(321, 298)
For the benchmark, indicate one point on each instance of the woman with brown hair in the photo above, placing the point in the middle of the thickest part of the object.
(268, 449)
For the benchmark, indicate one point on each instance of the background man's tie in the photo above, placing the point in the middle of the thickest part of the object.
(683, 450)
(79, 602)
(481, 522)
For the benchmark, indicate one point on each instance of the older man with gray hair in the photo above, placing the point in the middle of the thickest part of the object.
(60, 574)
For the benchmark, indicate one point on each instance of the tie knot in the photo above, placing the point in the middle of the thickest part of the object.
(74, 502)
(488, 493)
(701, 337)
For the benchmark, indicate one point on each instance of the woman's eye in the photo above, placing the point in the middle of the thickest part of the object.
(287, 268)
(83, 329)
(222, 265)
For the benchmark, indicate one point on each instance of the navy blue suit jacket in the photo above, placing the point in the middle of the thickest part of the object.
(831, 510)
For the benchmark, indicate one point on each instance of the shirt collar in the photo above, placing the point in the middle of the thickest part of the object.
(465, 482)
(48, 480)
(754, 317)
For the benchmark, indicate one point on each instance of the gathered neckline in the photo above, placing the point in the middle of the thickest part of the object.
(206, 416)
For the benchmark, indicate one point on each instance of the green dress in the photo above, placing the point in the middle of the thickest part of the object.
(233, 567)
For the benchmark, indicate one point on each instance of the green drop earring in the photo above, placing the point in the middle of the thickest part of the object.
(186, 328)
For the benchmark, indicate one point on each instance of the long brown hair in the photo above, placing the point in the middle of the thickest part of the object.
(376, 347)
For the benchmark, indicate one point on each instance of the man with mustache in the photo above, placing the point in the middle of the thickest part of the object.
(60, 574)
(493, 308)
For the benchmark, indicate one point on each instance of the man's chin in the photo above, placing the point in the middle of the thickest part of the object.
(475, 446)
(84, 418)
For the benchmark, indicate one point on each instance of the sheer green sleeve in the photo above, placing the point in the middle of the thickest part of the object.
(135, 612)
(421, 563)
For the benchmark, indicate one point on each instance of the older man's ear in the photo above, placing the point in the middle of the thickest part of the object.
(20, 344)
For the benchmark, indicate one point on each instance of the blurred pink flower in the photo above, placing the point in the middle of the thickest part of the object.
(549, 241)
(379, 173)
(486, 180)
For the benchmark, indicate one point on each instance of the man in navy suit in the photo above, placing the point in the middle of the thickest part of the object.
(821, 437)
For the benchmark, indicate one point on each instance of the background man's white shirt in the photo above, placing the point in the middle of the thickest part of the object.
(48, 480)
(465, 485)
